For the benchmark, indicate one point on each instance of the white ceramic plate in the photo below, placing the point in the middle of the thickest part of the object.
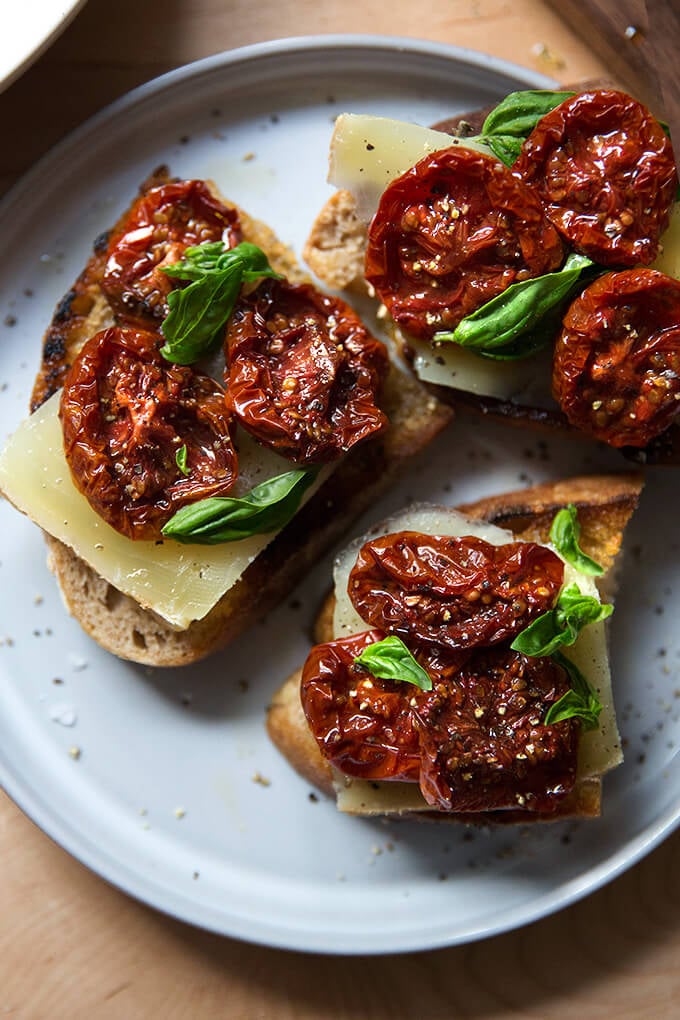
(29, 30)
(271, 863)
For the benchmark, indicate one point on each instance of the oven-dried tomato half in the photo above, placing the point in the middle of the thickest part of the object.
(475, 742)
(450, 234)
(605, 170)
(130, 419)
(159, 228)
(616, 366)
(484, 746)
(303, 372)
(455, 592)
(364, 725)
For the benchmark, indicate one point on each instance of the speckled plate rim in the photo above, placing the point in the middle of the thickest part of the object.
(55, 823)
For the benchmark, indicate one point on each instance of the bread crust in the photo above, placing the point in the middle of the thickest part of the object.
(118, 623)
(605, 504)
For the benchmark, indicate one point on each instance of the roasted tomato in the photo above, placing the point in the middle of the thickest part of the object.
(126, 413)
(459, 593)
(159, 228)
(452, 233)
(616, 367)
(303, 372)
(475, 742)
(364, 725)
(484, 746)
(605, 170)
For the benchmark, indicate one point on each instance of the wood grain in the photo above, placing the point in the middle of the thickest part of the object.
(74, 948)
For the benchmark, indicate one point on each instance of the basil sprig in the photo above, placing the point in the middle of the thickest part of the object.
(390, 659)
(513, 120)
(523, 317)
(579, 702)
(562, 624)
(200, 311)
(267, 507)
(181, 460)
(564, 535)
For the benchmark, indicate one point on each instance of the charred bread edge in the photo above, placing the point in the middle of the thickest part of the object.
(605, 504)
(117, 622)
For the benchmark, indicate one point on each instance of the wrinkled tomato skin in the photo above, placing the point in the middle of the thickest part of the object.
(303, 373)
(604, 167)
(363, 725)
(475, 742)
(450, 234)
(125, 413)
(458, 593)
(616, 365)
(484, 746)
(159, 228)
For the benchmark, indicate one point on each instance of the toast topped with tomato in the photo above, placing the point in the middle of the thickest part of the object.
(527, 266)
(461, 670)
(205, 424)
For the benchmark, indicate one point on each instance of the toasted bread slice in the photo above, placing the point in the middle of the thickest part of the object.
(117, 621)
(605, 504)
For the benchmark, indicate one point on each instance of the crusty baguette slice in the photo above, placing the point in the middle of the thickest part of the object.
(336, 246)
(605, 504)
(335, 252)
(118, 622)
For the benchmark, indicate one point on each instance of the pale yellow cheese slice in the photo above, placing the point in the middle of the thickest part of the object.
(525, 381)
(367, 153)
(179, 582)
(599, 750)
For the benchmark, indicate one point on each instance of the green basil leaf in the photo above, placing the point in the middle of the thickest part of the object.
(267, 507)
(519, 113)
(564, 535)
(511, 325)
(562, 624)
(581, 702)
(390, 659)
(181, 460)
(198, 313)
(506, 147)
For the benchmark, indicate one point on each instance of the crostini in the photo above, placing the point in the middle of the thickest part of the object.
(182, 494)
(527, 267)
(461, 669)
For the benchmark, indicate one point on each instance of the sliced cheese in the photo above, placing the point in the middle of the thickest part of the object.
(599, 750)
(526, 381)
(367, 153)
(179, 582)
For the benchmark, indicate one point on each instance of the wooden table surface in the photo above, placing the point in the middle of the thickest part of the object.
(73, 947)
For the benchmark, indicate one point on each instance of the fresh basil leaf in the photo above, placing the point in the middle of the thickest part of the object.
(516, 117)
(580, 702)
(198, 313)
(506, 147)
(511, 325)
(181, 460)
(267, 507)
(564, 535)
(562, 624)
(390, 659)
